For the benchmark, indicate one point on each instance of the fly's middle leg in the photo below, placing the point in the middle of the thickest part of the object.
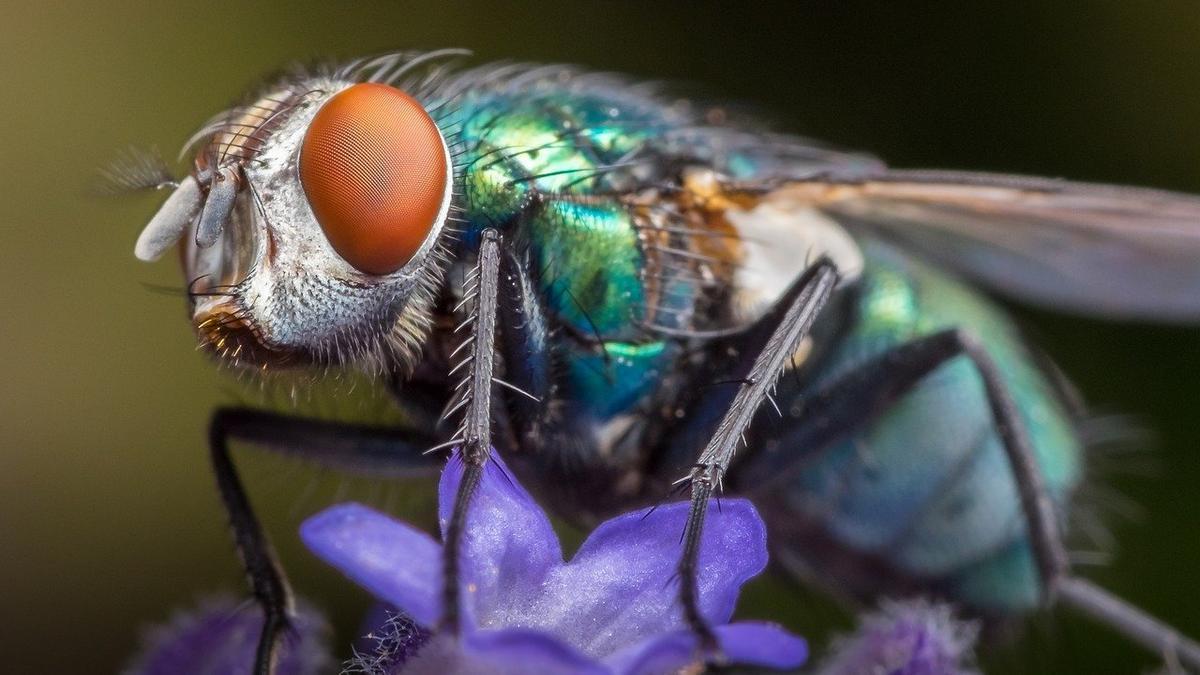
(768, 345)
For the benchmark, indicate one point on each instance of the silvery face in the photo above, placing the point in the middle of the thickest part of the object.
(272, 291)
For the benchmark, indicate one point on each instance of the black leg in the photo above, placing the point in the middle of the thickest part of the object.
(861, 395)
(771, 350)
(333, 444)
(474, 436)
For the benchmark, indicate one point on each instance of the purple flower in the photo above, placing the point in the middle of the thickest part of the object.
(220, 638)
(914, 637)
(612, 609)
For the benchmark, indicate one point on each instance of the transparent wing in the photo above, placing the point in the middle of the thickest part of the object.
(1095, 249)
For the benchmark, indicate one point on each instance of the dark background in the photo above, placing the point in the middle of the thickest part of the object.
(108, 517)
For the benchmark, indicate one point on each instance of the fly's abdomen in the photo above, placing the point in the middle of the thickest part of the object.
(926, 489)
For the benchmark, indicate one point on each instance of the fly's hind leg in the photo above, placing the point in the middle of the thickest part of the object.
(863, 394)
(331, 444)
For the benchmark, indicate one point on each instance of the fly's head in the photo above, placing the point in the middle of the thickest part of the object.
(312, 226)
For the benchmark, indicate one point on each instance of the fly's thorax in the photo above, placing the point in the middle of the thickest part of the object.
(331, 248)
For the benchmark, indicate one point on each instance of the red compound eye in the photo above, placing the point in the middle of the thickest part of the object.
(373, 166)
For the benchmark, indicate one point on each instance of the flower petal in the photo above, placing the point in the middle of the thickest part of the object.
(398, 564)
(525, 609)
(221, 636)
(508, 544)
(623, 581)
(748, 644)
(502, 652)
(766, 645)
(534, 651)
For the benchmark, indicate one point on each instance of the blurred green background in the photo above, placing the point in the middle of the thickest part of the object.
(108, 517)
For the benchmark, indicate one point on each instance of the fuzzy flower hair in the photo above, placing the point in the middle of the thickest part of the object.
(914, 637)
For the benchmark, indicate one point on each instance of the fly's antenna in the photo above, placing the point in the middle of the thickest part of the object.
(134, 170)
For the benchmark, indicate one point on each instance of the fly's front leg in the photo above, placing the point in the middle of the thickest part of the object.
(772, 345)
(331, 444)
(474, 437)
(861, 395)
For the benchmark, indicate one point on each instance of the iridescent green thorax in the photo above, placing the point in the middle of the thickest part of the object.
(590, 266)
(547, 140)
(545, 165)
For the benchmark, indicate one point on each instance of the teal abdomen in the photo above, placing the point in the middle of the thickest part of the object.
(927, 487)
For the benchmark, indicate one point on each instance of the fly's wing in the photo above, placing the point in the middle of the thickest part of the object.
(1095, 249)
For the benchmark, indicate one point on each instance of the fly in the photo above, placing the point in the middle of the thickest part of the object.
(562, 264)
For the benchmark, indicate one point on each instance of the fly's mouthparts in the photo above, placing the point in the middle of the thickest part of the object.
(224, 330)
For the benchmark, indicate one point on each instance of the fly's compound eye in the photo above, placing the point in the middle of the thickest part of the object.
(374, 169)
